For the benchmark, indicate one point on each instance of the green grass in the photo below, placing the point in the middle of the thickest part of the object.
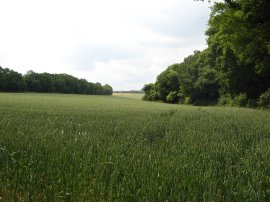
(113, 148)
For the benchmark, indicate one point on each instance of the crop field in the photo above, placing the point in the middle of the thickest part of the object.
(56, 147)
(129, 95)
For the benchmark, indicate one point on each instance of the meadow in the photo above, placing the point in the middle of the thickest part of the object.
(56, 147)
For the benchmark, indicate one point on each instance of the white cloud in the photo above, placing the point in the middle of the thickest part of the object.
(124, 43)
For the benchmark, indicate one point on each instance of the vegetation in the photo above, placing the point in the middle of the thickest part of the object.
(235, 65)
(117, 148)
(11, 81)
(96, 148)
(264, 100)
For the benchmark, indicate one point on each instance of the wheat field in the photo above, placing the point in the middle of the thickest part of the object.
(56, 147)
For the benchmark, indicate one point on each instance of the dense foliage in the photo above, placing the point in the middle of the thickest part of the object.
(11, 81)
(95, 148)
(234, 67)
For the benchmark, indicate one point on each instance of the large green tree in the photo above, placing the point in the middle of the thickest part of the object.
(235, 65)
(239, 39)
(11, 81)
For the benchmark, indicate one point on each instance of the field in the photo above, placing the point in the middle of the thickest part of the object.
(129, 95)
(119, 148)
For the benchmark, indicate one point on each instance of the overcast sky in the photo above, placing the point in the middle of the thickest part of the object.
(124, 43)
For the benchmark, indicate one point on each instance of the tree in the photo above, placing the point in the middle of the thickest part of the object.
(235, 66)
(194, 80)
(11, 81)
(167, 82)
(238, 37)
(151, 93)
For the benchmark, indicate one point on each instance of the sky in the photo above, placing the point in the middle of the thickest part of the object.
(123, 43)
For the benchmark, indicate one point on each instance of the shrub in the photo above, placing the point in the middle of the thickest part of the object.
(187, 100)
(240, 100)
(225, 99)
(172, 97)
(264, 99)
(146, 98)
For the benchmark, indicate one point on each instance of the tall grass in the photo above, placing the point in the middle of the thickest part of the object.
(99, 148)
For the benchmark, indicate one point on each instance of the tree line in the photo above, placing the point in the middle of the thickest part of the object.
(12, 81)
(235, 67)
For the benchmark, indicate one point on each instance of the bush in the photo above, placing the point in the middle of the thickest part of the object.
(172, 97)
(264, 99)
(240, 100)
(225, 99)
(187, 100)
(150, 93)
(146, 98)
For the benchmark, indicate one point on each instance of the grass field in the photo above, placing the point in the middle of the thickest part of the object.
(116, 148)
(129, 95)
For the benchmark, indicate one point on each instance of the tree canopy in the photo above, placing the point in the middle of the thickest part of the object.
(235, 65)
(11, 81)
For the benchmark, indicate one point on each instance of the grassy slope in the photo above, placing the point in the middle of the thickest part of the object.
(118, 148)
